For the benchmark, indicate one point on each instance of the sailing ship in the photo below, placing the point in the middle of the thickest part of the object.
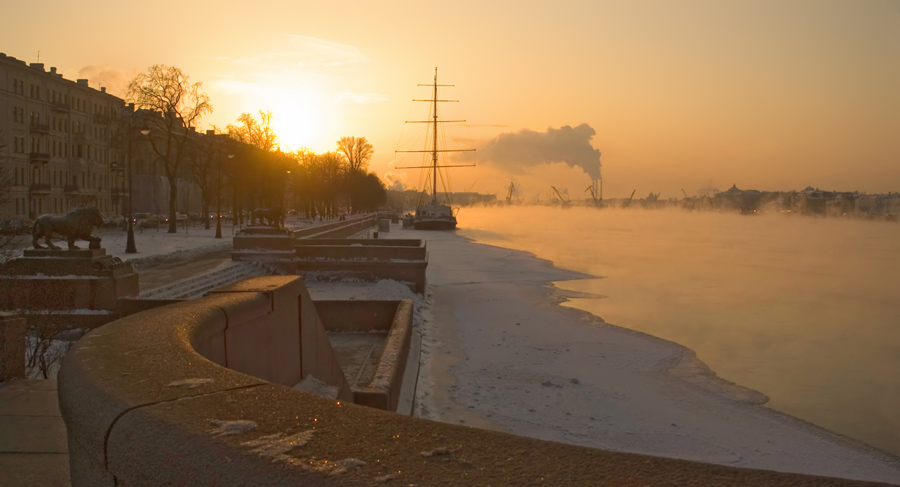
(434, 215)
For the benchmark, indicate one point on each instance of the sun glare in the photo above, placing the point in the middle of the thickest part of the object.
(304, 114)
(302, 125)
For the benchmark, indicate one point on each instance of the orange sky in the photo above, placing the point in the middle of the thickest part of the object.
(764, 94)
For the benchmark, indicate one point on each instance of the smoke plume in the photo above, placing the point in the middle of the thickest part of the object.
(395, 180)
(517, 151)
(115, 81)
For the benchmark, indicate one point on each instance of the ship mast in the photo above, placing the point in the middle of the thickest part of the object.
(434, 150)
(434, 142)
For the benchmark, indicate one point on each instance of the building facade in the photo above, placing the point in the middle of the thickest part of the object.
(57, 138)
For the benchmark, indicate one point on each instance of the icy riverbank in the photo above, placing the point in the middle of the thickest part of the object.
(499, 353)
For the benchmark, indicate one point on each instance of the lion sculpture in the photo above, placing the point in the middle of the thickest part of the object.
(274, 216)
(76, 224)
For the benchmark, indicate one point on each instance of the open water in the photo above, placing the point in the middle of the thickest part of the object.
(804, 310)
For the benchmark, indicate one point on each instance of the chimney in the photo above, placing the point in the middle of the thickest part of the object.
(52, 69)
(82, 82)
(102, 89)
(39, 66)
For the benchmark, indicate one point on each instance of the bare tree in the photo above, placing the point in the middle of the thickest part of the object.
(258, 133)
(259, 167)
(167, 91)
(357, 151)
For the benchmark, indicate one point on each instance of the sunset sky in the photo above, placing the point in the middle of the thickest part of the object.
(681, 94)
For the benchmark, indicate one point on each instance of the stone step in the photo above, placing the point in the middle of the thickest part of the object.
(199, 285)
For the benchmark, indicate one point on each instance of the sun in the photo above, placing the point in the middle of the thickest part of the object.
(305, 119)
(305, 113)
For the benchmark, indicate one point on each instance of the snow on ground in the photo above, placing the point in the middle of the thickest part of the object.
(156, 246)
(498, 353)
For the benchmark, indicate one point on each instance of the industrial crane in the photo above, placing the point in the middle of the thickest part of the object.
(563, 199)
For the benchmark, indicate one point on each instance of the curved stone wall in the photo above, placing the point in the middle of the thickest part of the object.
(194, 394)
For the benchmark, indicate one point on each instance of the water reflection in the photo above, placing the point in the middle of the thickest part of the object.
(804, 310)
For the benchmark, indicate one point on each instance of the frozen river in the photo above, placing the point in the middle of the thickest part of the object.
(806, 311)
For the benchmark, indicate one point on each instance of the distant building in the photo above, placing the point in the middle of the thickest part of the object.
(738, 199)
(59, 144)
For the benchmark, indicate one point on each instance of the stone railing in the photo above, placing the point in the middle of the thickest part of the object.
(195, 393)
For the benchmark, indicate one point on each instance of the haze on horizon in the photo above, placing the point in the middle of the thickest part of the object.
(765, 94)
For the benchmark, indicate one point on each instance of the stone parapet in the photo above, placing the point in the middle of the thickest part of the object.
(338, 229)
(404, 260)
(153, 399)
(264, 238)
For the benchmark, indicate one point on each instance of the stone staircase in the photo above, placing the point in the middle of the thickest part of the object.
(197, 286)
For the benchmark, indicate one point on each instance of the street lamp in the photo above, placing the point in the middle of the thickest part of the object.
(130, 248)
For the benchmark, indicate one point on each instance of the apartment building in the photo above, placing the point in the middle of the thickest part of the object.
(58, 147)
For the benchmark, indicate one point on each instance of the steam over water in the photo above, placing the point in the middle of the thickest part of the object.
(805, 310)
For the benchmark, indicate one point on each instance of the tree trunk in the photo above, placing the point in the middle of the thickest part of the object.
(173, 205)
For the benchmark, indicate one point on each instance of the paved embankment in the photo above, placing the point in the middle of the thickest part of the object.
(33, 446)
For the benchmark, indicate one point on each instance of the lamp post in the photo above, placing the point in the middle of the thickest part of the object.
(219, 203)
(130, 248)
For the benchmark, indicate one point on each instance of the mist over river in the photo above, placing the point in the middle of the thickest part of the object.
(804, 310)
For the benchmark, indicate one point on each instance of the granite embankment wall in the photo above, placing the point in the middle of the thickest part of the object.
(194, 393)
(404, 260)
(338, 229)
(394, 317)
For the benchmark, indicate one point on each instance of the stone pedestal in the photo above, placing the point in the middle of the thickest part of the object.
(85, 284)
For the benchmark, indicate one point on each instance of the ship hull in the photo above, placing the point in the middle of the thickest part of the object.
(434, 216)
(434, 224)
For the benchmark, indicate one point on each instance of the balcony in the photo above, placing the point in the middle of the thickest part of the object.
(101, 118)
(40, 128)
(59, 106)
(71, 189)
(80, 136)
(39, 157)
(40, 188)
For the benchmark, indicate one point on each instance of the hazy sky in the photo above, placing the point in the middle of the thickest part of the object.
(680, 94)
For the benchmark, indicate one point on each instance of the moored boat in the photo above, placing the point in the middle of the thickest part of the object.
(435, 215)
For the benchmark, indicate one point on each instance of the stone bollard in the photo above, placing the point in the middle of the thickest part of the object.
(12, 346)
